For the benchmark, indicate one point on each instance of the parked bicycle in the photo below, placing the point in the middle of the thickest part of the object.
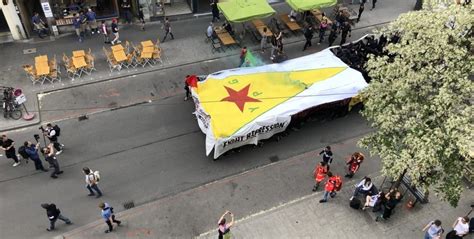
(10, 107)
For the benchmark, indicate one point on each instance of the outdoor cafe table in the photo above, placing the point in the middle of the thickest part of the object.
(226, 39)
(79, 63)
(147, 44)
(42, 70)
(117, 48)
(119, 55)
(78, 53)
(43, 58)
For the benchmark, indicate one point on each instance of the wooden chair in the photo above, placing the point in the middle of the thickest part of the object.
(90, 61)
(72, 71)
(216, 46)
(54, 76)
(127, 47)
(157, 55)
(157, 43)
(31, 74)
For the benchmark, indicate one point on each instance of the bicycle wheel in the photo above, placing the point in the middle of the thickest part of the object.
(16, 113)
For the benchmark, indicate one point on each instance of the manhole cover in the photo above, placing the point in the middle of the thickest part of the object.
(128, 205)
(29, 51)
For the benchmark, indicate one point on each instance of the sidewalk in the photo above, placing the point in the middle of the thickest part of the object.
(188, 47)
(263, 202)
(307, 218)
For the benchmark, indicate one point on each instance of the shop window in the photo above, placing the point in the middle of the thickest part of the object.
(63, 10)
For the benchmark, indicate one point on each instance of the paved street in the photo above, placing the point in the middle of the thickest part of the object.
(144, 140)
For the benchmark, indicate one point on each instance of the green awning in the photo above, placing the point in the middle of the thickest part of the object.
(245, 10)
(306, 5)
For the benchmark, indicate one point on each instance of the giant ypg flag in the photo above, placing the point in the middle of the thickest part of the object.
(242, 106)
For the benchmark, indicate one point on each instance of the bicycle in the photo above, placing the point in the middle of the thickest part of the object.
(10, 107)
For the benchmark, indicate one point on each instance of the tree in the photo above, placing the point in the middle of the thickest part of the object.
(420, 100)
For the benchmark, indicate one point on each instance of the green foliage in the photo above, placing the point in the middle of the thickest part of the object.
(420, 100)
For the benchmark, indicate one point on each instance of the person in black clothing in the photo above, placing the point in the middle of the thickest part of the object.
(346, 30)
(215, 11)
(326, 153)
(332, 35)
(141, 17)
(52, 160)
(127, 14)
(228, 27)
(308, 35)
(361, 9)
(53, 215)
(8, 146)
(373, 4)
(52, 132)
(391, 200)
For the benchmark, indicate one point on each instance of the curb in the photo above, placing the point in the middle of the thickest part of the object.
(223, 180)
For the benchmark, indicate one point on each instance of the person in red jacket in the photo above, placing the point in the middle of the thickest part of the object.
(333, 184)
(320, 173)
(354, 163)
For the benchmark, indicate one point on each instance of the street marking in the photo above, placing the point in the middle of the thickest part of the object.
(29, 51)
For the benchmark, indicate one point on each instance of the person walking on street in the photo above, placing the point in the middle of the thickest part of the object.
(273, 42)
(38, 25)
(279, 40)
(319, 174)
(333, 184)
(8, 146)
(215, 11)
(52, 160)
(167, 27)
(243, 55)
(83, 20)
(308, 35)
(92, 21)
(322, 30)
(326, 153)
(115, 31)
(76, 22)
(223, 227)
(346, 31)
(361, 9)
(263, 41)
(332, 35)
(373, 4)
(53, 133)
(53, 215)
(354, 164)
(433, 230)
(190, 81)
(108, 215)
(32, 152)
(92, 179)
(105, 32)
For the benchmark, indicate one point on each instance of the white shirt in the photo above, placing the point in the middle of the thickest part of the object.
(90, 179)
(461, 228)
(209, 31)
(365, 187)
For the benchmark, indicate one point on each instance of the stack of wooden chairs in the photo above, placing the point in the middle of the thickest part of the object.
(71, 71)
(113, 64)
(31, 73)
(55, 70)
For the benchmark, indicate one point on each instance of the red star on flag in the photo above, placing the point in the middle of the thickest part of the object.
(239, 97)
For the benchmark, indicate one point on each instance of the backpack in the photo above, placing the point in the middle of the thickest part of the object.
(338, 183)
(58, 130)
(96, 175)
(22, 152)
(355, 203)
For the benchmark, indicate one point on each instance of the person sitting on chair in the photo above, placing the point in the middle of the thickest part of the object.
(228, 28)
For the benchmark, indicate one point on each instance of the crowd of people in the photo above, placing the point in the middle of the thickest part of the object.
(356, 54)
(50, 152)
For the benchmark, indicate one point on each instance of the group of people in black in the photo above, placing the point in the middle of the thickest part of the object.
(356, 54)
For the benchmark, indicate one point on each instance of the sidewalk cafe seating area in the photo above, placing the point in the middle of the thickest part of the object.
(79, 63)
(43, 70)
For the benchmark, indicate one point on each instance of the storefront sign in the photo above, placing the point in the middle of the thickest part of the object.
(47, 9)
